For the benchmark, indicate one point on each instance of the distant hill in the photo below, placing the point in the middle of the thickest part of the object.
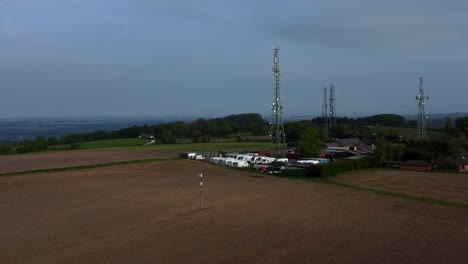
(17, 129)
(438, 120)
(382, 119)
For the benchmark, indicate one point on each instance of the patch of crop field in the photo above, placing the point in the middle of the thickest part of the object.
(150, 213)
(246, 137)
(410, 133)
(110, 143)
(217, 146)
(137, 144)
(72, 158)
(62, 159)
(441, 186)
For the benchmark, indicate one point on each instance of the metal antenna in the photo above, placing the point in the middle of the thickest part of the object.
(325, 108)
(332, 115)
(277, 134)
(421, 98)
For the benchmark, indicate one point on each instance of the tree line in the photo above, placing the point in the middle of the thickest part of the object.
(307, 135)
(200, 130)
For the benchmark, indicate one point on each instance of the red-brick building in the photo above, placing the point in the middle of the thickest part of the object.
(416, 165)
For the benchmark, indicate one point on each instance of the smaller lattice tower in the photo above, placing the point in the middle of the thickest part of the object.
(332, 109)
(278, 138)
(325, 108)
(421, 98)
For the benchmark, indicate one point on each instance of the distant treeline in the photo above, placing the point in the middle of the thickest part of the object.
(199, 130)
(383, 120)
(250, 124)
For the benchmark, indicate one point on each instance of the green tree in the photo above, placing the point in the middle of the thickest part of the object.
(166, 136)
(382, 150)
(196, 136)
(397, 151)
(338, 131)
(462, 125)
(179, 129)
(5, 149)
(52, 141)
(364, 132)
(309, 143)
(293, 129)
(224, 130)
(40, 143)
(448, 126)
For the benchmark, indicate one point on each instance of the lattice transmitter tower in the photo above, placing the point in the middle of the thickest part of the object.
(421, 98)
(332, 115)
(325, 108)
(278, 138)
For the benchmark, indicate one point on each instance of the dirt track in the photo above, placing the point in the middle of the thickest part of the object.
(60, 159)
(148, 213)
(442, 186)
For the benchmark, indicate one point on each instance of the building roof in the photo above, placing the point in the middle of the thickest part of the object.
(349, 142)
(331, 144)
(368, 142)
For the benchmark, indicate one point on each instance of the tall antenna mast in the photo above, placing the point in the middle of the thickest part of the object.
(278, 138)
(421, 98)
(325, 108)
(332, 115)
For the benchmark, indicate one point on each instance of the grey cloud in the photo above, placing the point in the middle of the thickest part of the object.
(370, 26)
(364, 26)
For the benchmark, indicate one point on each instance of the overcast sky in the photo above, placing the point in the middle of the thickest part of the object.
(214, 57)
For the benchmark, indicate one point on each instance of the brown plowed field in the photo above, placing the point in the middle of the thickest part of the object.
(442, 186)
(60, 159)
(149, 213)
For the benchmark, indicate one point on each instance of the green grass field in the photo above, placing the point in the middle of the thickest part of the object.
(410, 133)
(108, 143)
(216, 146)
(112, 143)
(135, 144)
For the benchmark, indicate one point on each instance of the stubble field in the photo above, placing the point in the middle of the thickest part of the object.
(61, 159)
(441, 186)
(149, 213)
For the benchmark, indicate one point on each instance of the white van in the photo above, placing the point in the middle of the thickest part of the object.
(240, 164)
(266, 160)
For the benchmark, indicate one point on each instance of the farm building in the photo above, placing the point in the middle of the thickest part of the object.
(463, 168)
(461, 161)
(416, 165)
(457, 162)
(344, 148)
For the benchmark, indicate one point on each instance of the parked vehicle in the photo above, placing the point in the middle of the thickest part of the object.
(266, 160)
(307, 162)
(284, 160)
(240, 164)
(257, 160)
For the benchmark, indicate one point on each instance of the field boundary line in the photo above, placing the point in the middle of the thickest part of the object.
(389, 193)
(89, 166)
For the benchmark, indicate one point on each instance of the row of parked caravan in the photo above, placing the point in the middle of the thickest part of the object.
(244, 160)
(307, 162)
(252, 158)
(229, 162)
(312, 161)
